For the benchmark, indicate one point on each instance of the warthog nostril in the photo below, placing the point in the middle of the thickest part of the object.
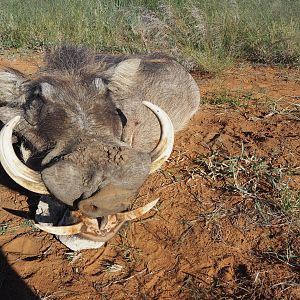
(89, 207)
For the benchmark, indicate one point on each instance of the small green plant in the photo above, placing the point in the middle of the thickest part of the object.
(290, 200)
(232, 99)
(223, 99)
(3, 228)
(27, 223)
(8, 227)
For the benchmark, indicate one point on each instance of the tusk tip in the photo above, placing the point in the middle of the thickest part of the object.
(61, 230)
(165, 145)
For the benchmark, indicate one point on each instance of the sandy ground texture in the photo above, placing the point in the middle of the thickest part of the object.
(226, 226)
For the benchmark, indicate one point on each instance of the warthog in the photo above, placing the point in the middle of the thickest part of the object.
(100, 123)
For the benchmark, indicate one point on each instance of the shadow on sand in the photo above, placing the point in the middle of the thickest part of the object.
(12, 287)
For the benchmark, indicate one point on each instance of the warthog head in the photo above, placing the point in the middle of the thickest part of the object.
(67, 115)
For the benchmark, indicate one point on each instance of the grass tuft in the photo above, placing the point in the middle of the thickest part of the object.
(254, 178)
(202, 34)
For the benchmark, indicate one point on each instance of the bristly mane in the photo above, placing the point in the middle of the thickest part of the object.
(70, 59)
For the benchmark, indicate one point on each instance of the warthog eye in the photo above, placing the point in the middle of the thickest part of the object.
(122, 117)
(32, 109)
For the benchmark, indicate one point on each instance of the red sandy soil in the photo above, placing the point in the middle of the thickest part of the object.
(203, 240)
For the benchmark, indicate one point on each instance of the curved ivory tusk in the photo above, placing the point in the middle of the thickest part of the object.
(165, 145)
(19, 172)
(134, 214)
(61, 230)
(79, 227)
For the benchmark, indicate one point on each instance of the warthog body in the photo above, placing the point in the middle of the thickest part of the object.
(83, 114)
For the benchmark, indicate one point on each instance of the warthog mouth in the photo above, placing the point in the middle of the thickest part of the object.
(78, 223)
(95, 229)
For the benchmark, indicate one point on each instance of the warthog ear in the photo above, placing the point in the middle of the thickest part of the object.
(11, 93)
(11, 82)
(124, 75)
(100, 85)
(45, 89)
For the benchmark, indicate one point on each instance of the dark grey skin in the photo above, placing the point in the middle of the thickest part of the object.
(83, 114)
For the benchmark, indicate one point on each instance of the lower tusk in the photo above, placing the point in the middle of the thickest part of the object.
(134, 214)
(81, 227)
(19, 172)
(61, 230)
(165, 145)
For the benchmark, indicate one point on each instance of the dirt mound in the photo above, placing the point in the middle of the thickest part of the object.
(227, 224)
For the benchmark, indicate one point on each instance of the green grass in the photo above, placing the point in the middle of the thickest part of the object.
(9, 228)
(3, 228)
(264, 186)
(255, 178)
(203, 34)
(227, 99)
